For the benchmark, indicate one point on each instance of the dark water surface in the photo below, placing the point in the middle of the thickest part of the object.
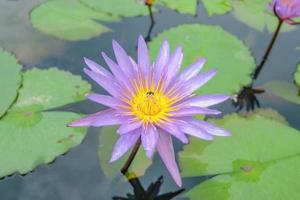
(77, 175)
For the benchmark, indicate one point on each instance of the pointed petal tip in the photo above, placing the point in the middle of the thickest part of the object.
(149, 154)
(178, 182)
(225, 133)
(213, 71)
(74, 124)
(141, 38)
(86, 60)
(112, 159)
(115, 45)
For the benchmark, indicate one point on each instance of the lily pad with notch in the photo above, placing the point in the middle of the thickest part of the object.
(29, 135)
(261, 155)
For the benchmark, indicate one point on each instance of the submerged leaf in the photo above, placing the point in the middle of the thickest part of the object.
(223, 51)
(107, 140)
(182, 6)
(297, 75)
(10, 80)
(261, 155)
(217, 6)
(285, 90)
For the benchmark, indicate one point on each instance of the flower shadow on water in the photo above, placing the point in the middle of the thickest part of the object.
(151, 193)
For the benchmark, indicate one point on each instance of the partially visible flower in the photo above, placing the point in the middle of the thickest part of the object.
(152, 102)
(286, 10)
(147, 2)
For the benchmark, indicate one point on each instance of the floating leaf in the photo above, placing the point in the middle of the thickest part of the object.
(259, 158)
(124, 8)
(222, 50)
(255, 14)
(297, 75)
(131, 8)
(29, 138)
(271, 114)
(69, 20)
(44, 88)
(107, 140)
(217, 6)
(285, 90)
(10, 80)
(182, 6)
(28, 135)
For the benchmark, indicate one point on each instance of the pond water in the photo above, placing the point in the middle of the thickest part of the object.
(77, 174)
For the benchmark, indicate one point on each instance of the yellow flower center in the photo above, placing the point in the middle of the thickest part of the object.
(150, 106)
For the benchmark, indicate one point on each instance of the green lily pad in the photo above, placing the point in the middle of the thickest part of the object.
(297, 75)
(120, 8)
(107, 140)
(217, 6)
(44, 88)
(285, 90)
(256, 14)
(271, 114)
(260, 157)
(223, 51)
(131, 8)
(30, 136)
(69, 20)
(10, 80)
(182, 6)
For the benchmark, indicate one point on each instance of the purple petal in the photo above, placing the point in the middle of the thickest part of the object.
(104, 100)
(191, 111)
(210, 128)
(97, 68)
(174, 130)
(124, 143)
(117, 71)
(128, 127)
(106, 82)
(123, 59)
(192, 70)
(104, 118)
(205, 100)
(193, 84)
(149, 140)
(166, 152)
(143, 57)
(173, 65)
(161, 60)
(194, 130)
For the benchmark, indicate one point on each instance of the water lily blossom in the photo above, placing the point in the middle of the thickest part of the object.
(286, 10)
(152, 102)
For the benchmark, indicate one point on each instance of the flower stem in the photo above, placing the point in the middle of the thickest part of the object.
(131, 157)
(151, 14)
(268, 51)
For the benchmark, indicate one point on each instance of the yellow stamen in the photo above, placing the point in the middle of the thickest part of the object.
(150, 105)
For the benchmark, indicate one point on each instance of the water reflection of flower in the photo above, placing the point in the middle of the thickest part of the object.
(151, 102)
(286, 10)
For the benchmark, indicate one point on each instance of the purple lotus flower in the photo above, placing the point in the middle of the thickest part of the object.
(286, 10)
(152, 102)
